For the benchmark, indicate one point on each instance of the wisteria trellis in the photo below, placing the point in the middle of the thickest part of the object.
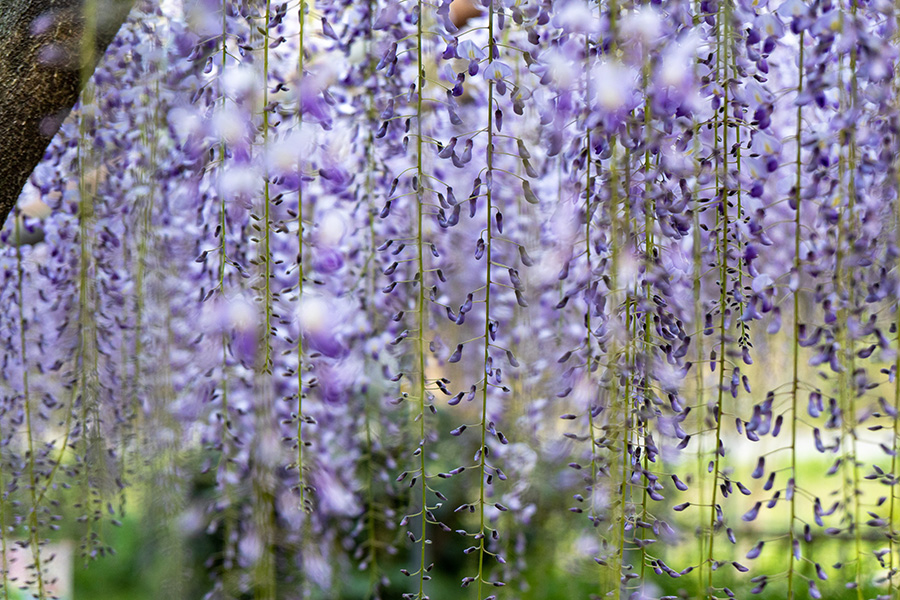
(402, 277)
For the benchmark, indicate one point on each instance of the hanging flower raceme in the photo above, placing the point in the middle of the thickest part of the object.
(432, 288)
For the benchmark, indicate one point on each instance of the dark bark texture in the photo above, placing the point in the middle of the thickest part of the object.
(48, 49)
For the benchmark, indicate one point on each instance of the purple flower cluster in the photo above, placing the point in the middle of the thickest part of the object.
(416, 275)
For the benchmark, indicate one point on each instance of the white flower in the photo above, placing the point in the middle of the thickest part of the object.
(331, 228)
(643, 25)
(240, 180)
(615, 84)
(229, 125)
(240, 81)
(313, 313)
(765, 144)
(283, 155)
(470, 50)
(497, 70)
(576, 16)
(761, 283)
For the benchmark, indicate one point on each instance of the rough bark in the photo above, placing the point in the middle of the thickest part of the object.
(48, 49)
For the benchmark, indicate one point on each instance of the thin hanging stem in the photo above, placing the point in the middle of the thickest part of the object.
(723, 224)
(482, 452)
(33, 532)
(795, 350)
(420, 297)
(228, 515)
(301, 485)
(264, 505)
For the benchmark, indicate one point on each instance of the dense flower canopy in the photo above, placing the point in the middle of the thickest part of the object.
(409, 276)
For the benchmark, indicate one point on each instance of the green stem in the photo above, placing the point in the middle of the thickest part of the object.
(648, 258)
(371, 515)
(487, 303)
(228, 516)
(892, 533)
(264, 570)
(4, 560)
(722, 251)
(626, 428)
(700, 391)
(589, 208)
(300, 276)
(795, 352)
(892, 586)
(614, 573)
(851, 189)
(420, 299)
(32, 473)
(86, 359)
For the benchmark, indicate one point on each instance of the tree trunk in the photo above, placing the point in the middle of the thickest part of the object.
(48, 49)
